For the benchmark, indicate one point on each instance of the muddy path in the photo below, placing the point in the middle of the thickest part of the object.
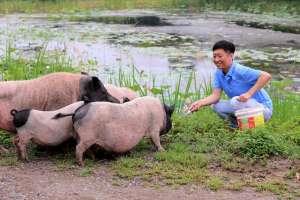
(40, 180)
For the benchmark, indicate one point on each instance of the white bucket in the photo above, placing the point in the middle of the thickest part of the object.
(250, 117)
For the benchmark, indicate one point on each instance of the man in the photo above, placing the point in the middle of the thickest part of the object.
(243, 85)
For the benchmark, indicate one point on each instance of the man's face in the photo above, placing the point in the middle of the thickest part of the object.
(222, 59)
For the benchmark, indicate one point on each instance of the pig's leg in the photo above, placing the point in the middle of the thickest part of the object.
(16, 141)
(3, 150)
(156, 140)
(80, 149)
(24, 139)
(92, 153)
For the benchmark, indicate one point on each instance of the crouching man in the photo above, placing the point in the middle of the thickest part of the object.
(243, 85)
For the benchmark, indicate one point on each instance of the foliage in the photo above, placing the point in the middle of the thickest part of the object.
(257, 144)
(278, 8)
(5, 140)
(18, 68)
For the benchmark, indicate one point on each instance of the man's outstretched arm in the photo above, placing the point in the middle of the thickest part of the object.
(213, 98)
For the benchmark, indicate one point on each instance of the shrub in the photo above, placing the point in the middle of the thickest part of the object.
(256, 143)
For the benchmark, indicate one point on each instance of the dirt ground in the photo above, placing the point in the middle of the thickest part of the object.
(41, 180)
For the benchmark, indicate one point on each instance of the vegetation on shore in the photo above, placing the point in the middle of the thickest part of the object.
(277, 8)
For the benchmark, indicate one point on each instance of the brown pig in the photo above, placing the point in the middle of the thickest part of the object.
(42, 127)
(119, 127)
(49, 92)
(123, 94)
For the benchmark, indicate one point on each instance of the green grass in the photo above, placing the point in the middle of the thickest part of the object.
(8, 159)
(127, 167)
(14, 67)
(279, 8)
(5, 140)
(237, 186)
(88, 168)
(291, 174)
(65, 161)
(278, 188)
(214, 183)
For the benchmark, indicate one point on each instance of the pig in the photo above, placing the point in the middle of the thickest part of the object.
(42, 127)
(123, 94)
(49, 92)
(119, 127)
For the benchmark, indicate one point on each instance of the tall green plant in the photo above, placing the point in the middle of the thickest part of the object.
(15, 67)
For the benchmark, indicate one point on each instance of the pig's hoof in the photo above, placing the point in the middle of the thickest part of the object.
(80, 163)
(161, 149)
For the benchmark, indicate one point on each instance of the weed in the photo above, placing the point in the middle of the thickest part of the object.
(274, 187)
(21, 69)
(64, 161)
(237, 186)
(88, 169)
(290, 174)
(6, 140)
(182, 159)
(258, 143)
(8, 159)
(128, 167)
(214, 183)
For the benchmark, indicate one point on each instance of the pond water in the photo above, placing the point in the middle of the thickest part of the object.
(180, 46)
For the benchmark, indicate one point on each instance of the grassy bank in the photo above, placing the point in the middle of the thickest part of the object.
(278, 8)
(200, 149)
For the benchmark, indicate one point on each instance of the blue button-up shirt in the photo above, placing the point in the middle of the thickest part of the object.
(238, 80)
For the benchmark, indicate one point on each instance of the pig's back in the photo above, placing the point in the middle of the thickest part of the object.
(117, 127)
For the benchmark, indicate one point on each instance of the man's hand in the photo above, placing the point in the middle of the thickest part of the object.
(195, 106)
(244, 97)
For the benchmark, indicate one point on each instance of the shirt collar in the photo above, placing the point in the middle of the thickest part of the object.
(231, 70)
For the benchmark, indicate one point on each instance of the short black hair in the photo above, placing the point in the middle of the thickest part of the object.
(226, 45)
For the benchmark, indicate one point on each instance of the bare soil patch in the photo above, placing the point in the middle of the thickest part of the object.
(42, 180)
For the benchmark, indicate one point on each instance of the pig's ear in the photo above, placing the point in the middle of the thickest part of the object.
(97, 84)
(169, 109)
(84, 73)
(125, 99)
(172, 108)
(86, 99)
